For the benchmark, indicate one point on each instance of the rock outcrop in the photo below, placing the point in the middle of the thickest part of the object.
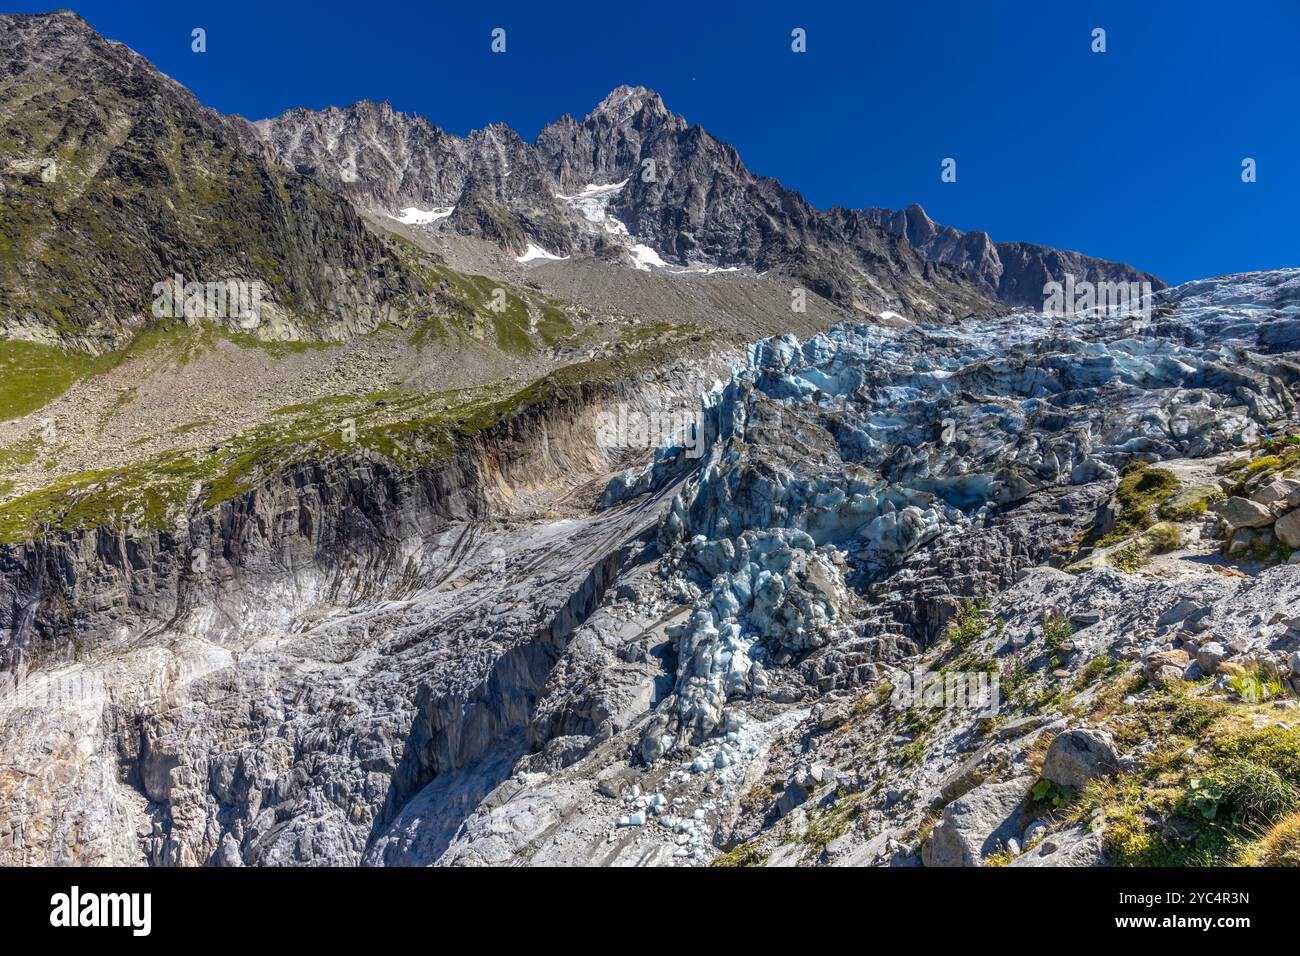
(1013, 272)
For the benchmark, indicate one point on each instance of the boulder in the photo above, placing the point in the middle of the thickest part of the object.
(1019, 727)
(865, 854)
(966, 777)
(794, 794)
(1278, 490)
(977, 824)
(1210, 656)
(1239, 512)
(1166, 675)
(1073, 847)
(1082, 619)
(1288, 528)
(1241, 541)
(1175, 657)
(1034, 833)
(1078, 756)
(1184, 609)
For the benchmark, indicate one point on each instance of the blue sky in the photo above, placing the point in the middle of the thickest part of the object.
(1133, 154)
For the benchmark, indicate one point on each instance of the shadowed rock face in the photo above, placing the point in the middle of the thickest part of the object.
(1013, 272)
(149, 183)
(300, 743)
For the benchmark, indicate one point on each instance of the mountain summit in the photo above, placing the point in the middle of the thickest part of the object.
(141, 158)
(625, 104)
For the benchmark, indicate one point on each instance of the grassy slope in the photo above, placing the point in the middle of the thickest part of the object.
(406, 429)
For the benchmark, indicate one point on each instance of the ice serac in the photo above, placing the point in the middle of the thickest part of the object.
(838, 459)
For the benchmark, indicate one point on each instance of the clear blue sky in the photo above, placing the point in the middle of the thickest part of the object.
(1134, 154)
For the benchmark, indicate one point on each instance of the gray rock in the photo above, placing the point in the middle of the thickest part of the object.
(977, 824)
(1238, 512)
(1183, 609)
(1082, 619)
(1278, 490)
(1210, 655)
(866, 853)
(788, 854)
(964, 778)
(1071, 847)
(1033, 833)
(1019, 727)
(1288, 528)
(1078, 756)
(228, 855)
(794, 795)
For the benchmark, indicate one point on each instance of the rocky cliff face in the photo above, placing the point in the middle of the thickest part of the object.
(1015, 272)
(115, 178)
(441, 671)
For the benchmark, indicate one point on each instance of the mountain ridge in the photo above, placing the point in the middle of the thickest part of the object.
(631, 135)
(1014, 272)
(716, 214)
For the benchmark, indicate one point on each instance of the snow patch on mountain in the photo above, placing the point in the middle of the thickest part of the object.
(643, 257)
(593, 200)
(592, 203)
(535, 252)
(415, 216)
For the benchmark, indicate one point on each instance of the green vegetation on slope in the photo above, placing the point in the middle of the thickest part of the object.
(407, 430)
(32, 375)
(1142, 490)
(149, 495)
(1222, 778)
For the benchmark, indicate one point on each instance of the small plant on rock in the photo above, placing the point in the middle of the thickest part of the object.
(1016, 681)
(1131, 559)
(1164, 537)
(1050, 793)
(1056, 629)
(1103, 665)
(1205, 796)
(968, 625)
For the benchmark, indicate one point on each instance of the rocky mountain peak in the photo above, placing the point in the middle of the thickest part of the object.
(626, 104)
